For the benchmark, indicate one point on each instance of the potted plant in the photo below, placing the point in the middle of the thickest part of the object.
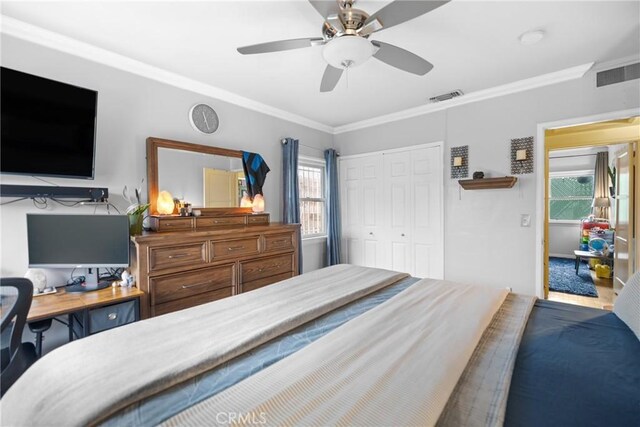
(136, 210)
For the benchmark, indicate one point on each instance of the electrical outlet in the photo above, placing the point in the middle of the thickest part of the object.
(525, 220)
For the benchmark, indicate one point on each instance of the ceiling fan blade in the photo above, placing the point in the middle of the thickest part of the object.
(402, 59)
(330, 78)
(401, 11)
(326, 8)
(280, 45)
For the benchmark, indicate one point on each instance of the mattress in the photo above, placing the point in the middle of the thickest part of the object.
(576, 366)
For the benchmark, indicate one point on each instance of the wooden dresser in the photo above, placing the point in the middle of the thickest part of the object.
(177, 270)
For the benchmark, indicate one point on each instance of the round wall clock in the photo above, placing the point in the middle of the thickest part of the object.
(203, 118)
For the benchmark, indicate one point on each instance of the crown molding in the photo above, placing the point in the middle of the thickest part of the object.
(494, 92)
(37, 35)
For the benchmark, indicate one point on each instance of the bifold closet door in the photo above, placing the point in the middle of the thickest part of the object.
(361, 205)
(412, 192)
(392, 211)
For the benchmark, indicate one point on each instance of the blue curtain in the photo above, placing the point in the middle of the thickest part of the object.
(290, 196)
(332, 198)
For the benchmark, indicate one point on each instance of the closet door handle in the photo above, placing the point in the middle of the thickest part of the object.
(402, 234)
(371, 233)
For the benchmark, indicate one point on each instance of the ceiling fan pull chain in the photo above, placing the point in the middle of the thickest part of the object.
(347, 78)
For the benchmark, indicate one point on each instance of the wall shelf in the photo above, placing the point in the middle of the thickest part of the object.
(488, 183)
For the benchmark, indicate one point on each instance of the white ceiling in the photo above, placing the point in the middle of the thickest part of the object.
(473, 45)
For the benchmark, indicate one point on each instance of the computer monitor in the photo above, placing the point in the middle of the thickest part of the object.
(78, 241)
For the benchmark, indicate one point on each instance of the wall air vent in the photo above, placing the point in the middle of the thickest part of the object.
(618, 75)
(447, 96)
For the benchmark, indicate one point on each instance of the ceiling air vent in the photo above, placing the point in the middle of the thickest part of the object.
(618, 75)
(447, 96)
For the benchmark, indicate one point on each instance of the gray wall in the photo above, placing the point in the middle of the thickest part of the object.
(484, 242)
(130, 109)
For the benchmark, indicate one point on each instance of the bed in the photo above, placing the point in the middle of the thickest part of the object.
(346, 345)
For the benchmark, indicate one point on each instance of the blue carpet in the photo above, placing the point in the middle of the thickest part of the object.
(563, 278)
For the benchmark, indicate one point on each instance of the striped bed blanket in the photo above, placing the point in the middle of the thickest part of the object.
(435, 353)
(413, 360)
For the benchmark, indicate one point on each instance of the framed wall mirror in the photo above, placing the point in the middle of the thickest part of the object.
(210, 178)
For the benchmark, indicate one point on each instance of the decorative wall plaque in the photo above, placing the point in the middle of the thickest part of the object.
(460, 157)
(522, 155)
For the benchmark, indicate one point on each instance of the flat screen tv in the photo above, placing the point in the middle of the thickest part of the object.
(47, 127)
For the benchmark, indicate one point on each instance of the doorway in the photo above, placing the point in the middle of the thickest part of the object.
(589, 209)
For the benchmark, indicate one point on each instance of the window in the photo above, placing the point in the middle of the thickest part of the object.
(311, 187)
(570, 196)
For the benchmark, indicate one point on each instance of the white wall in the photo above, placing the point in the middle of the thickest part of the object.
(484, 242)
(130, 109)
(564, 238)
(314, 252)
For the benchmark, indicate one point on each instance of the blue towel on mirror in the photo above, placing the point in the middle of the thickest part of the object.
(255, 172)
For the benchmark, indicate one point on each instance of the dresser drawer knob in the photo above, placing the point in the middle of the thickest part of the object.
(196, 285)
(112, 316)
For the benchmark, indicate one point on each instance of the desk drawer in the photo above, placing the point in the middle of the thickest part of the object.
(103, 318)
(219, 221)
(164, 258)
(182, 285)
(261, 268)
(234, 248)
(278, 242)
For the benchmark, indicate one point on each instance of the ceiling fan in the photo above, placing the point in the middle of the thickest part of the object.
(345, 37)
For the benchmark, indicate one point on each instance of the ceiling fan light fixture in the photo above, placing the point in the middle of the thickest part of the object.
(348, 51)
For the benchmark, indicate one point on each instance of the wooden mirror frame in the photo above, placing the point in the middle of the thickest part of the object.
(154, 143)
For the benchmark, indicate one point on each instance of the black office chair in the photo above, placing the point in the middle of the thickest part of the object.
(15, 356)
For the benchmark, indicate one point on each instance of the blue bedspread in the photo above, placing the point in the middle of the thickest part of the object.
(576, 366)
(158, 408)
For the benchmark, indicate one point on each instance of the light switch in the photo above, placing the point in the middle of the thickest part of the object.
(521, 155)
(457, 161)
(525, 220)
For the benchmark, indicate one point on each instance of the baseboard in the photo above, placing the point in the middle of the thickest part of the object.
(562, 256)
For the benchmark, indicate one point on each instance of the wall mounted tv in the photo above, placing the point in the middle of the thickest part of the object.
(47, 127)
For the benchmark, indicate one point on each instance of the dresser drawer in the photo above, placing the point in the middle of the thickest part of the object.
(173, 224)
(261, 268)
(167, 257)
(255, 284)
(258, 219)
(192, 301)
(219, 221)
(234, 248)
(182, 285)
(278, 242)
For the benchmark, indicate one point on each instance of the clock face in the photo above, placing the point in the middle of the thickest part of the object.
(203, 118)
